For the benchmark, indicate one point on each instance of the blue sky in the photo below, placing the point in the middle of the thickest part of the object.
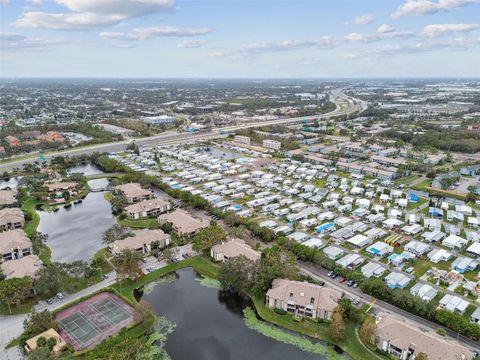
(240, 39)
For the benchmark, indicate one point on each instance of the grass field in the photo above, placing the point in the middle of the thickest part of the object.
(140, 223)
(413, 205)
(350, 345)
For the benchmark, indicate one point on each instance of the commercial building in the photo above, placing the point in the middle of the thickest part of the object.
(159, 120)
(272, 144)
(242, 139)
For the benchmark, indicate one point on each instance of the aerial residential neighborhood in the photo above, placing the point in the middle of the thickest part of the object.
(230, 180)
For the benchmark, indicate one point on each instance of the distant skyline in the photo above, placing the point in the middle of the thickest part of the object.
(240, 39)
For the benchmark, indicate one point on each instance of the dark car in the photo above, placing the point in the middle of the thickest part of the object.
(333, 276)
(350, 283)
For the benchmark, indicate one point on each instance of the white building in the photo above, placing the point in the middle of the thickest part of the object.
(272, 144)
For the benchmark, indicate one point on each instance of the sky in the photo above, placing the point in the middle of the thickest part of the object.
(239, 39)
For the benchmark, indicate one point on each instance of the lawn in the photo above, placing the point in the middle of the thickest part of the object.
(406, 180)
(147, 223)
(320, 182)
(422, 265)
(414, 205)
(199, 263)
(422, 186)
(30, 228)
(350, 345)
(104, 175)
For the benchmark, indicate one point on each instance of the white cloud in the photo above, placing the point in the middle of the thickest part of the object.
(385, 28)
(379, 36)
(435, 30)
(325, 42)
(4, 2)
(364, 19)
(424, 7)
(155, 31)
(12, 41)
(88, 14)
(190, 44)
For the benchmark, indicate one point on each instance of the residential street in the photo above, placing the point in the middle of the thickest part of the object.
(321, 274)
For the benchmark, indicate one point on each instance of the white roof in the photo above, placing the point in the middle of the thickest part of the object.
(359, 240)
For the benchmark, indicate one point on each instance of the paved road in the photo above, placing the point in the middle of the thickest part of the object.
(354, 105)
(12, 326)
(321, 274)
(162, 139)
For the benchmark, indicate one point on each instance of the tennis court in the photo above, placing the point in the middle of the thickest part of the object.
(91, 321)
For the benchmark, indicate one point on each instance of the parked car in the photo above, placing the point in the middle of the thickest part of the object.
(355, 285)
(350, 283)
(355, 301)
(50, 301)
(60, 296)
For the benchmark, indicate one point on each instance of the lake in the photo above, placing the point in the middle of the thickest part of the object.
(85, 169)
(210, 325)
(9, 183)
(75, 233)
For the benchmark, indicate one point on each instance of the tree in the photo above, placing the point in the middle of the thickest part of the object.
(116, 232)
(206, 238)
(49, 279)
(41, 353)
(367, 331)
(238, 274)
(15, 290)
(240, 232)
(337, 325)
(276, 262)
(166, 254)
(41, 342)
(38, 322)
(346, 305)
(119, 202)
(421, 356)
(126, 264)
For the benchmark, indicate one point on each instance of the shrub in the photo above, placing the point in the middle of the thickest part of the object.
(280, 311)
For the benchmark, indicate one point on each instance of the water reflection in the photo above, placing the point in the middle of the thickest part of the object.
(210, 324)
(85, 169)
(75, 232)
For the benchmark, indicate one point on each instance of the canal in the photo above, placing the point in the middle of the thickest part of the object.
(210, 324)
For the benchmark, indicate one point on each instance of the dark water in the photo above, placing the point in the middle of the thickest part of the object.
(75, 233)
(210, 326)
(86, 169)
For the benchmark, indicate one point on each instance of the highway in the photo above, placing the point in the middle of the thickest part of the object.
(344, 106)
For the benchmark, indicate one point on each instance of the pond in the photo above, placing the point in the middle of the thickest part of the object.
(75, 233)
(9, 183)
(85, 169)
(210, 324)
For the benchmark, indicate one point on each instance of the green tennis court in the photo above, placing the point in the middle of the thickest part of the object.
(92, 320)
(111, 310)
